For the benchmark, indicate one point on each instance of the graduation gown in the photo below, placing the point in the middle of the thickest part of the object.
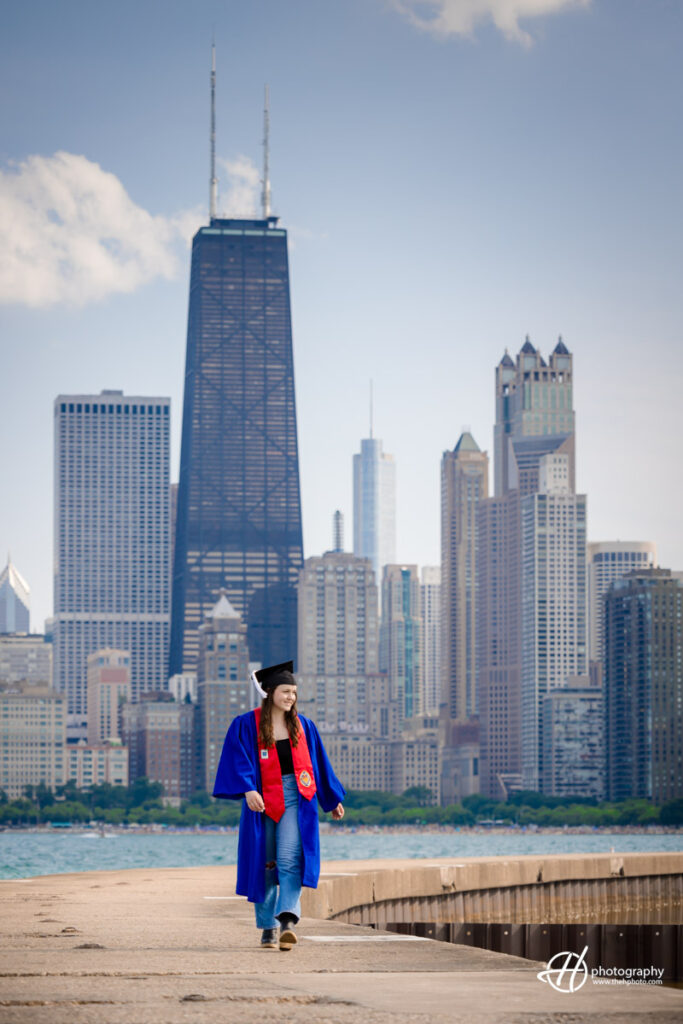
(239, 772)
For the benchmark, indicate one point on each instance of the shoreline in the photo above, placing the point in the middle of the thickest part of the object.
(97, 829)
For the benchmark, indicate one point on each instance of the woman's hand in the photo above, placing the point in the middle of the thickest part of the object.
(338, 812)
(254, 800)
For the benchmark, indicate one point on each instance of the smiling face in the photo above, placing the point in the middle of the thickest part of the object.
(284, 697)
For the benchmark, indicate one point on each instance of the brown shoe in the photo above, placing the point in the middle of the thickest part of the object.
(287, 938)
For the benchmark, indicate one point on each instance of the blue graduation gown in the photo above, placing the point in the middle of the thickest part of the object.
(239, 772)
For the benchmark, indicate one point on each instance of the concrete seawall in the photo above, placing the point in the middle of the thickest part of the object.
(602, 888)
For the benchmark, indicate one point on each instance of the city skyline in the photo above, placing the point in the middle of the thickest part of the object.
(540, 707)
(531, 197)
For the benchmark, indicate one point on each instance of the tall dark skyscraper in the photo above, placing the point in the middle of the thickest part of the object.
(238, 524)
(643, 671)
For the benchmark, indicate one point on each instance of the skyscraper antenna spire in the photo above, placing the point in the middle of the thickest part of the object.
(265, 194)
(338, 531)
(213, 181)
(371, 408)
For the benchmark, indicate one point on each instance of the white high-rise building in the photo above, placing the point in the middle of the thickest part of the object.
(430, 594)
(554, 600)
(374, 505)
(15, 600)
(609, 561)
(111, 539)
(338, 638)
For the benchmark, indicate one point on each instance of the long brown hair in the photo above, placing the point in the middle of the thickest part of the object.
(266, 738)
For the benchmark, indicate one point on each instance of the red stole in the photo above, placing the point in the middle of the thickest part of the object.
(271, 775)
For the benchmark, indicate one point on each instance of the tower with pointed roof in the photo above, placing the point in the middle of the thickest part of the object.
(223, 686)
(15, 600)
(464, 484)
(534, 415)
(532, 566)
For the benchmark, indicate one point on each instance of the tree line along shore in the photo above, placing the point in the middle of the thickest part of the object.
(143, 804)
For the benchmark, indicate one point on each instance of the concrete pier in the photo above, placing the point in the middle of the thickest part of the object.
(175, 945)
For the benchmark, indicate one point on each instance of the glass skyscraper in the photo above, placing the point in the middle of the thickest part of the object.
(374, 505)
(400, 643)
(238, 522)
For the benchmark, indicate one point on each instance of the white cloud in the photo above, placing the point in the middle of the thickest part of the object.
(186, 224)
(241, 195)
(70, 233)
(462, 17)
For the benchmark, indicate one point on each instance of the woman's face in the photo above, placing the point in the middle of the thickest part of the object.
(284, 697)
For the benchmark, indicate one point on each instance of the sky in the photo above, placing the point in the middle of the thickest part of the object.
(453, 175)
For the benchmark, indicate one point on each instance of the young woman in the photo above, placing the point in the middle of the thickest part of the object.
(275, 759)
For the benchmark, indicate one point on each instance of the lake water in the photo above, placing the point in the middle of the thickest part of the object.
(25, 855)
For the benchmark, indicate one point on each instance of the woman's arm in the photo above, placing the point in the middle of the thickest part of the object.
(237, 772)
(330, 791)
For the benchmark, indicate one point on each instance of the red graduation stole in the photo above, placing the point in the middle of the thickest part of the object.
(271, 775)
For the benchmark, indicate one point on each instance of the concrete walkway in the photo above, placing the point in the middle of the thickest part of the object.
(174, 945)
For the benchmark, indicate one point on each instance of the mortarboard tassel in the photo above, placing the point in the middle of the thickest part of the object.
(259, 689)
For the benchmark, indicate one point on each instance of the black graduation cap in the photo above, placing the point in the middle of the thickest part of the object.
(265, 679)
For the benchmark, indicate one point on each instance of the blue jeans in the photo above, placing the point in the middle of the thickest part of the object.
(283, 847)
